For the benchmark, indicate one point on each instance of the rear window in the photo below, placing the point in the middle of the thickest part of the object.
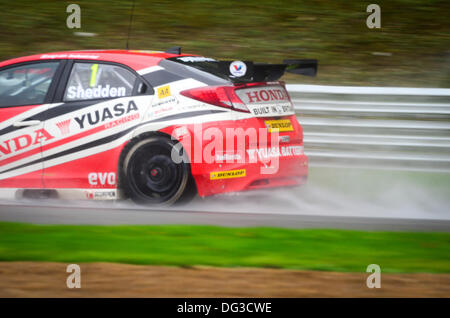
(203, 69)
(204, 64)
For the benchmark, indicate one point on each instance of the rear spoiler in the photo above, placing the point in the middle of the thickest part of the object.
(302, 67)
(263, 72)
(248, 71)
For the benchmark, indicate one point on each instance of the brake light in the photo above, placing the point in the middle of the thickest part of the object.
(223, 96)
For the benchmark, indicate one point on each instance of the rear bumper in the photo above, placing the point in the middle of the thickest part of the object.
(260, 159)
(235, 177)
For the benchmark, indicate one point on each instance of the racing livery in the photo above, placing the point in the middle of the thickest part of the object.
(156, 127)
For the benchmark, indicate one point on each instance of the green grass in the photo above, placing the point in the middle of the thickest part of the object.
(414, 32)
(329, 250)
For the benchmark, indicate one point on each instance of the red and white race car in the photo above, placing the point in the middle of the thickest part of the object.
(156, 127)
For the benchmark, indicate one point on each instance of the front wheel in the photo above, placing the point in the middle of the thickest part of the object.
(150, 176)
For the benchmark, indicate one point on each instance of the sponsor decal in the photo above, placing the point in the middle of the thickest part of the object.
(227, 174)
(193, 59)
(164, 91)
(69, 56)
(78, 92)
(191, 107)
(122, 120)
(162, 110)
(279, 125)
(264, 95)
(271, 110)
(266, 100)
(238, 68)
(228, 157)
(265, 154)
(167, 101)
(94, 195)
(102, 178)
(64, 126)
(104, 194)
(107, 113)
(24, 141)
(284, 138)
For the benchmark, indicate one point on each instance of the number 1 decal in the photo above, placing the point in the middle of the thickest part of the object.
(94, 69)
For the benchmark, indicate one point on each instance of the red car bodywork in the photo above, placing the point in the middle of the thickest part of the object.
(99, 170)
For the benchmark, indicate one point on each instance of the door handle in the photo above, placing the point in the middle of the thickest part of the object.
(26, 123)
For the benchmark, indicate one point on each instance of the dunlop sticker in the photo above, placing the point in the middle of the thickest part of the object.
(280, 124)
(227, 174)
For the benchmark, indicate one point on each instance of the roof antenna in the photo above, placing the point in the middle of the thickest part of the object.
(129, 26)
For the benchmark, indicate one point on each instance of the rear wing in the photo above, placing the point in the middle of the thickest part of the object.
(248, 71)
(302, 67)
(263, 72)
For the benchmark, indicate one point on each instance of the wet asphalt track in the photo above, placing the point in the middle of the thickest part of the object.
(59, 214)
(341, 199)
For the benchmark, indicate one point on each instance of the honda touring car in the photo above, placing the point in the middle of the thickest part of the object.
(155, 127)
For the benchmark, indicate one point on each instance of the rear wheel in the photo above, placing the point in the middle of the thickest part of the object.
(150, 176)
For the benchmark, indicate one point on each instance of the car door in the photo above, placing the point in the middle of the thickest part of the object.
(26, 90)
(100, 101)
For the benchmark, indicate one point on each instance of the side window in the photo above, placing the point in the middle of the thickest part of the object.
(26, 84)
(96, 80)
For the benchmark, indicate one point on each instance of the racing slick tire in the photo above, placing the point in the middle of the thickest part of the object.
(150, 176)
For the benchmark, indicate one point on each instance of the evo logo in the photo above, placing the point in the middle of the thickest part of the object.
(102, 178)
(109, 112)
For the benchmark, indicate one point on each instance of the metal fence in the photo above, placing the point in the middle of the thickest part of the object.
(382, 127)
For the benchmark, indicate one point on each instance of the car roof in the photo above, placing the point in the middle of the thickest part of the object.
(135, 59)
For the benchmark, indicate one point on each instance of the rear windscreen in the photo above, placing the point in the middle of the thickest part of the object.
(203, 69)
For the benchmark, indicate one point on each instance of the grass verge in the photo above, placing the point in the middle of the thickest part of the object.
(330, 250)
(410, 48)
